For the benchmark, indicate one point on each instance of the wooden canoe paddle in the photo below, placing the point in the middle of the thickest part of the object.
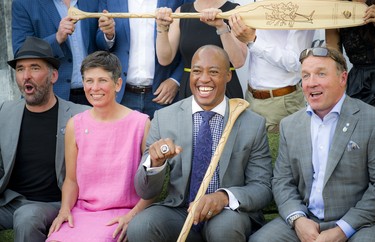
(236, 107)
(272, 14)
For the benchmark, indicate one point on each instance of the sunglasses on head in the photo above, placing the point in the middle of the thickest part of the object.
(320, 52)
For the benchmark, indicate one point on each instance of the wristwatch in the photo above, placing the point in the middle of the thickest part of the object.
(220, 32)
(293, 218)
(250, 43)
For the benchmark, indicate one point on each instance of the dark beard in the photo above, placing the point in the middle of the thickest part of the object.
(41, 95)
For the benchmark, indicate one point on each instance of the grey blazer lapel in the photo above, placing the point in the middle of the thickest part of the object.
(227, 152)
(184, 118)
(63, 116)
(303, 130)
(344, 129)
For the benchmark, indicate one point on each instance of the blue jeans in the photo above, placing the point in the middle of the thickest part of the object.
(141, 102)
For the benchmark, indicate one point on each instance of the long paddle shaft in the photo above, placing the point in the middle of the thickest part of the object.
(272, 14)
(236, 107)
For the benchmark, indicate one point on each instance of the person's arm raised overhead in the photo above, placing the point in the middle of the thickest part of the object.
(168, 35)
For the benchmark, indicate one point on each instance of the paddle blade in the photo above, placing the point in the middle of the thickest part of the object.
(293, 14)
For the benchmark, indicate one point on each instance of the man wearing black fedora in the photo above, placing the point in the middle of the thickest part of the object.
(32, 144)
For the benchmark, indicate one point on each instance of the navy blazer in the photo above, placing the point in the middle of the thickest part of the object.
(121, 46)
(41, 19)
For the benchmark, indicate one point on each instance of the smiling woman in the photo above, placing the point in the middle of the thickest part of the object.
(101, 144)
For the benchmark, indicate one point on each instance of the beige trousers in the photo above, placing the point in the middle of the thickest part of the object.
(276, 108)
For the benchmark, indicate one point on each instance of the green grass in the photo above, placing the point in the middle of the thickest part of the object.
(270, 211)
(6, 235)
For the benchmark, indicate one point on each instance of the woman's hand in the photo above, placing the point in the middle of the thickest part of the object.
(122, 226)
(61, 218)
(163, 19)
(209, 17)
(370, 15)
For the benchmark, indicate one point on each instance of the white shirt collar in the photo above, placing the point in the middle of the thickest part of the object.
(219, 109)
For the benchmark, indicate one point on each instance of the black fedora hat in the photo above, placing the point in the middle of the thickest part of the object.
(35, 48)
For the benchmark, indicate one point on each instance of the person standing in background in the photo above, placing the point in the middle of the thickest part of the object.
(359, 45)
(147, 86)
(70, 42)
(185, 36)
(274, 89)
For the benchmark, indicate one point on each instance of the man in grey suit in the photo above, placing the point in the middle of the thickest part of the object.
(325, 172)
(241, 185)
(32, 144)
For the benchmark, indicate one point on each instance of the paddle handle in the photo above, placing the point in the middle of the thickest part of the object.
(79, 15)
(236, 107)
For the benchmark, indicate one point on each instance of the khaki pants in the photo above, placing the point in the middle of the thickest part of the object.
(276, 108)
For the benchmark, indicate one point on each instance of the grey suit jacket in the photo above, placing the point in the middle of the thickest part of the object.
(348, 191)
(10, 123)
(245, 165)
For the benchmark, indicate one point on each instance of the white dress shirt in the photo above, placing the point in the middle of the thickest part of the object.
(141, 68)
(274, 57)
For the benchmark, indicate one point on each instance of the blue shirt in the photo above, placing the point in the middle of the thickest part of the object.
(322, 131)
(75, 42)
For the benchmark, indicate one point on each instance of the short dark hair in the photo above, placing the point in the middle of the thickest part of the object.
(105, 60)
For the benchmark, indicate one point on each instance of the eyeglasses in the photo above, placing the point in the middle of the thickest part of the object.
(323, 52)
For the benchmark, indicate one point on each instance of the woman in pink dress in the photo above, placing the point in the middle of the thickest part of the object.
(103, 148)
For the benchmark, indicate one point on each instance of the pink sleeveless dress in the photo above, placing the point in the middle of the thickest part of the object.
(108, 157)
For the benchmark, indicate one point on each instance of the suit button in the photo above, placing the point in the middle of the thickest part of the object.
(68, 80)
(181, 196)
(70, 60)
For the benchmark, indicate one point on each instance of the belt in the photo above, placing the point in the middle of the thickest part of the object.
(77, 91)
(138, 89)
(264, 94)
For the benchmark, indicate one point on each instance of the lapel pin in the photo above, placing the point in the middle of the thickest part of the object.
(346, 128)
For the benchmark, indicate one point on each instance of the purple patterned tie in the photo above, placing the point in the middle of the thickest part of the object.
(202, 157)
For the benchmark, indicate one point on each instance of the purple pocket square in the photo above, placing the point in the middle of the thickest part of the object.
(352, 146)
